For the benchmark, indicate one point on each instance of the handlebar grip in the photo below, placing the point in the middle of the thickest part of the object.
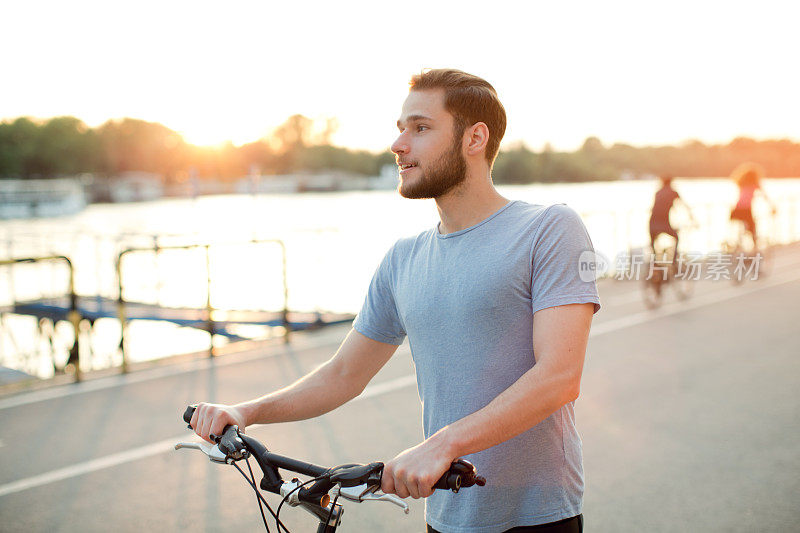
(449, 481)
(187, 415)
(462, 473)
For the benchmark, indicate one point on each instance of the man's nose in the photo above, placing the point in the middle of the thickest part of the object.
(399, 146)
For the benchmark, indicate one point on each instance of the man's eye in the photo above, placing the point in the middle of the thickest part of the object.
(422, 128)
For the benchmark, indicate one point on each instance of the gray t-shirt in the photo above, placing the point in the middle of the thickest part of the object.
(466, 302)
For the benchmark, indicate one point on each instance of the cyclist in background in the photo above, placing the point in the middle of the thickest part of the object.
(748, 177)
(665, 198)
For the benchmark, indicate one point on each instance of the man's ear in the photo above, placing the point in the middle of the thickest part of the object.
(478, 138)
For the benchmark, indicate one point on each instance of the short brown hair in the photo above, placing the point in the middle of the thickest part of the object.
(470, 100)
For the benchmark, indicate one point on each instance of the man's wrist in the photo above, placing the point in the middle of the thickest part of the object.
(247, 410)
(449, 441)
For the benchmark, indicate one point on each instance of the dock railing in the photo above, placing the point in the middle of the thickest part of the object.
(73, 313)
(210, 322)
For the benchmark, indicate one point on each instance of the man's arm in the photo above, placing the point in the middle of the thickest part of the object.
(335, 382)
(560, 336)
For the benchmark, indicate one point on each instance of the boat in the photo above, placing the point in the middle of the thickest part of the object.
(36, 198)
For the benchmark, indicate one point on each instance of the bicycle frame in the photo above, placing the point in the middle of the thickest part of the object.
(663, 271)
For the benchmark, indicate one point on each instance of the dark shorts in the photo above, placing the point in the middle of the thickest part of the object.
(657, 227)
(568, 525)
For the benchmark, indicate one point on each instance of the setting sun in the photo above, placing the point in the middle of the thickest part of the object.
(237, 130)
(217, 75)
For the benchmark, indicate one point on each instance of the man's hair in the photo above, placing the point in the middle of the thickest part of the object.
(470, 100)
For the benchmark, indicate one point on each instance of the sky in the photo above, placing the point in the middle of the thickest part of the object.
(642, 73)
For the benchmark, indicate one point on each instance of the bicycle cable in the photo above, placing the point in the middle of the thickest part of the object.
(260, 507)
(285, 498)
(261, 498)
(333, 507)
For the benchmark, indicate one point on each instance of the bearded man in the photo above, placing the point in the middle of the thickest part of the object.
(497, 316)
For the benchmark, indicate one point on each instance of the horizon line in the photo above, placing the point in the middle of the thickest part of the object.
(505, 145)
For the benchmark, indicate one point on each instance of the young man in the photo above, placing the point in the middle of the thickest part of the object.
(497, 317)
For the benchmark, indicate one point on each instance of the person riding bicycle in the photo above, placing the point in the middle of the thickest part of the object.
(497, 316)
(665, 198)
(748, 178)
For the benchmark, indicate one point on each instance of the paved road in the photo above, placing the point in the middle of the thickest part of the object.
(690, 418)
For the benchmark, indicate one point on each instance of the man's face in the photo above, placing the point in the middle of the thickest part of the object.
(428, 152)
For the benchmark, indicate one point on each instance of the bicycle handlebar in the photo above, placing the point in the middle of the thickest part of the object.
(236, 445)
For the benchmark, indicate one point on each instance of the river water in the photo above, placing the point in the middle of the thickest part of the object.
(333, 243)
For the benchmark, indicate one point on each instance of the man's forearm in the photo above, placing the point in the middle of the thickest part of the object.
(323, 390)
(339, 380)
(533, 397)
(560, 338)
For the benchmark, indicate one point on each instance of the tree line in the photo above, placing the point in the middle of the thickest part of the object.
(65, 146)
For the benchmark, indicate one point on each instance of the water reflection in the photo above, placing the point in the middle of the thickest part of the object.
(334, 242)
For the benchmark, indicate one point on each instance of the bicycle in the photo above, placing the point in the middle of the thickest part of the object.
(665, 268)
(353, 482)
(747, 256)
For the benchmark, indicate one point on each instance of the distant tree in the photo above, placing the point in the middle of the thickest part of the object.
(64, 145)
(60, 146)
(516, 165)
(592, 145)
(258, 154)
(289, 139)
(131, 144)
(326, 157)
(18, 147)
(385, 158)
(324, 136)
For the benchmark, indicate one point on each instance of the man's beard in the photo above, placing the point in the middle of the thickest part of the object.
(447, 172)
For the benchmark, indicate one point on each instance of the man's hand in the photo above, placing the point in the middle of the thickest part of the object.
(211, 418)
(415, 471)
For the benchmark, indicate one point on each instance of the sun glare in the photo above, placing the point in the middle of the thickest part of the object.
(624, 81)
(208, 138)
(212, 134)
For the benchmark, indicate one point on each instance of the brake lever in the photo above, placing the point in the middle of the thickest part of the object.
(391, 498)
(365, 492)
(213, 452)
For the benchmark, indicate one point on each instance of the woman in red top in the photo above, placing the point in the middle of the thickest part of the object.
(748, 177)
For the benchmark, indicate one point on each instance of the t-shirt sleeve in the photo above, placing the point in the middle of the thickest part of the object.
(379, 319)
(560, 243)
